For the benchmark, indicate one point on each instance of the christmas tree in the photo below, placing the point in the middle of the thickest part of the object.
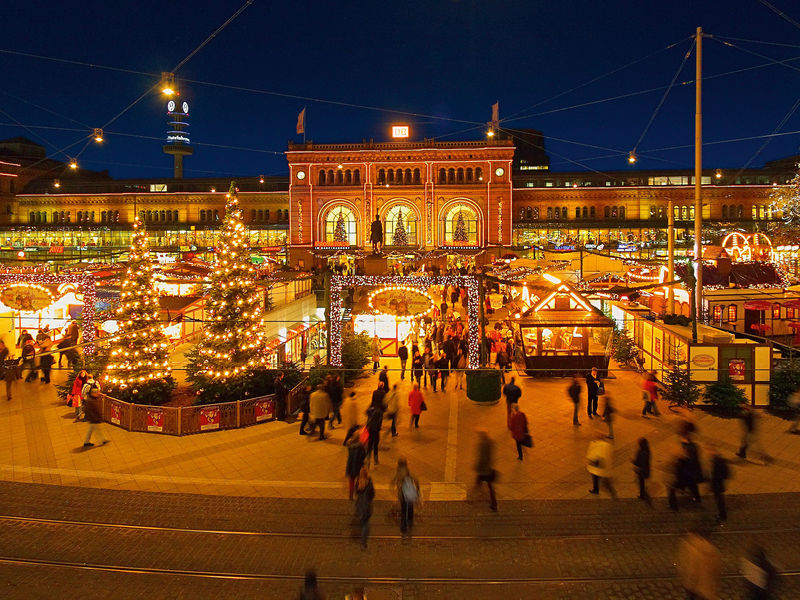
(786, 204)
(138, 360)
(460, 233)
(232, 346)
(340, 233)
(400, 235)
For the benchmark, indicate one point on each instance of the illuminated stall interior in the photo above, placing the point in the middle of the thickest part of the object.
(563, 334)
(33, 306)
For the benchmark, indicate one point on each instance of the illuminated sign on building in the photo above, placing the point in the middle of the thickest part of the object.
(400, 131)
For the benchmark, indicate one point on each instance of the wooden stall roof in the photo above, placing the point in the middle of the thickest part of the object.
(566, 318)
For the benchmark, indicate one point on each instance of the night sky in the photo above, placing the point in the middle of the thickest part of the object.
(447, 61)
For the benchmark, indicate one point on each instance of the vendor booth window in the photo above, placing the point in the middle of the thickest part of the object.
(790, 313)
(461, 225)
(340, 226)
(776, 311)
(400, 226)
(732, 313)
(718, 313)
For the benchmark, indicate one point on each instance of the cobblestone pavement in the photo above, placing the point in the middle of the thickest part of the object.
(40, 443)
(57, 541)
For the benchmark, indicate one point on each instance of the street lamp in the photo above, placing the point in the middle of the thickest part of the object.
(98, 135)
(632, 157)
(73, 164)
(167, 83)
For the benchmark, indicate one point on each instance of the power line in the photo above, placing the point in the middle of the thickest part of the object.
(780, 13)
(738, 39)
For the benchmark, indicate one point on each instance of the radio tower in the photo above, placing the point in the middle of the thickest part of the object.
(178, 142)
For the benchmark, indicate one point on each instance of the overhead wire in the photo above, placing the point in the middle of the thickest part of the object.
(780, 13)
(777, 128)
(664, 96)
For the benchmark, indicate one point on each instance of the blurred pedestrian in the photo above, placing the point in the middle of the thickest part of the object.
(29, 360)
(599, 461)
(351, 417)
(759, 574)
(793, 402)
(365, 494)
(310, 589)
(427, 363)
(8, 369)
(320, 408)
(281, 393)
(518, 424)
(641, 466)
(377, 396)
(376, 353)
(335, 390)
(417, 366)
(391, 404)
(608, 415)
(719, 473)
(699, 565)
(750, 435)
(408, 494)
(416, 402)
(460, 367)
(513, 393)
(46, 359)
(76, 393)
(484, 465)
(690, 469)
(91, 407)
(356, 455)
(305, 396)
(374, 422)
(443, 366)
(592, 387)
(574, 393)
(383, 377)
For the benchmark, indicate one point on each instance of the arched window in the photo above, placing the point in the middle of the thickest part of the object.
(163, 216)
(116, 216)
(557, 212)
(102, 216)
(330, 179)
(357, 177)
(55, 216)
(381, 176)
(591, 212)
(691, 212)
(607, 212)
(621, 212)
(740, 211)
(266, 215)
(564, 212)
(391, 227)
(339, 177)
(253, 215)
(460, 175)
(469, 174)
(479, 174)
(202, 216)
(451, 176)
(586, 212)
(529, 213)
(80, 216)
(685, 213)
(408, 176)
(577, 212)
(549, 213)
(417, 176)
(348, 177)
(461, 225)
(442, 176)
(322, 177)
(278, 215)
(724, 211)
(390, 175)
(340, 225)
(216, 215)
(260, 216)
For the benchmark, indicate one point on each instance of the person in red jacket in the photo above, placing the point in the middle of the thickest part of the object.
(518, 424)
(415, 404)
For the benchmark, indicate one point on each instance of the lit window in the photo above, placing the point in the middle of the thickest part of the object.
(392, 221)
(732, 313)
(340, 226)
(776, 311)
(718, 313)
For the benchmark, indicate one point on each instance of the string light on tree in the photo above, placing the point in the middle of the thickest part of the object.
(340, 233)
(233, 341)
(400, 235)
(138, 366)
(460, 231)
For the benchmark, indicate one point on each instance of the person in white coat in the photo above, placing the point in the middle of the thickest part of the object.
(599, 460)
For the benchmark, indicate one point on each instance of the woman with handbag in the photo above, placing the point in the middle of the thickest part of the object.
(518, 424)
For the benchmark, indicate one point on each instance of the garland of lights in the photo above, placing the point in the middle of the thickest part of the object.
(85, 283)
(417, 283)
(408, 289)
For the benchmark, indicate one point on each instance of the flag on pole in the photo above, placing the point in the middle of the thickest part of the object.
(496, 116)
(301, 121)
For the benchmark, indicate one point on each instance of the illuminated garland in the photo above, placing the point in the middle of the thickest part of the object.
(419, 283)
(141, 353)
(86, 285)
(406, 288)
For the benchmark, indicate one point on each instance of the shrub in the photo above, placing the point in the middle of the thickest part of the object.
(623, 348)
(784, 382)
(677, 320)
(483, 385)
(679, 389)
(356, 353)
(725, 395)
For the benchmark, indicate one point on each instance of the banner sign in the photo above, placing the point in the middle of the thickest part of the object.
(155, 419)
(115, 413)
(736, 369)
(265, 410)
(209, 419)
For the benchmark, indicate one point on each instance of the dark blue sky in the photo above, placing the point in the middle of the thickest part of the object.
(448, 59)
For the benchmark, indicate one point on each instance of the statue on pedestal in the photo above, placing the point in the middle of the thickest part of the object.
(376, 235)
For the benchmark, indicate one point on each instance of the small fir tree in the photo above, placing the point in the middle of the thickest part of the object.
(232, 346)
(400, 235)
(623, 348)
(138, 360)
(460, 232)
(340, 233)
(679, 389)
